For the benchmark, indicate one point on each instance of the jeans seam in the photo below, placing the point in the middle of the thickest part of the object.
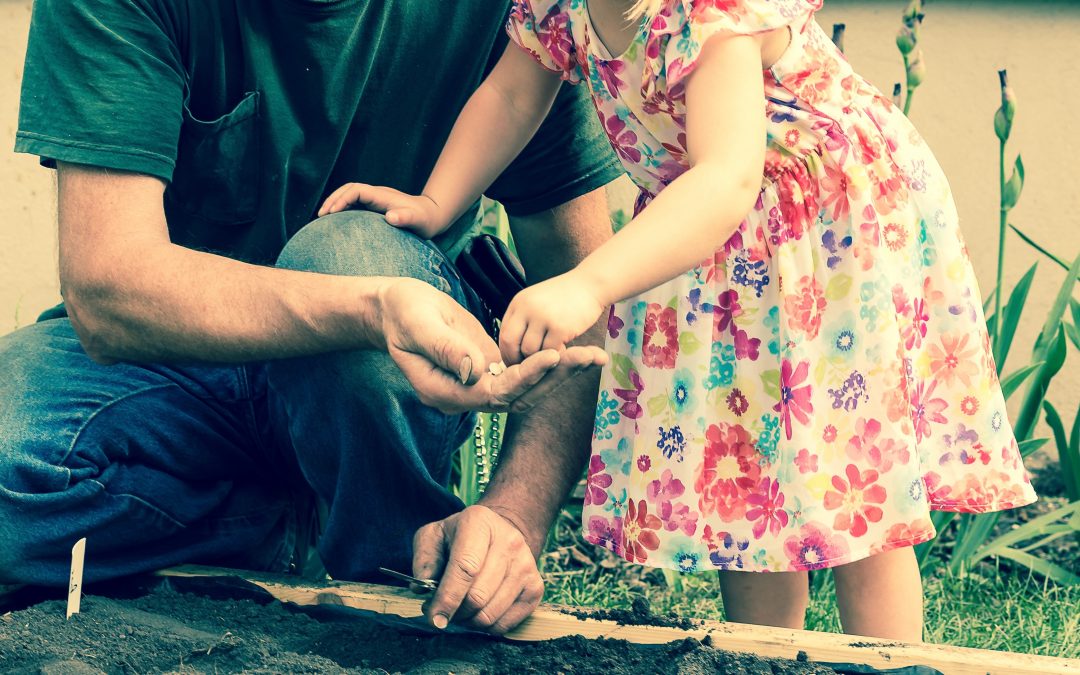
(93, 416)
(139, 499)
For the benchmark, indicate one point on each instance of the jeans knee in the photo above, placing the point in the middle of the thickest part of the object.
(363, 244)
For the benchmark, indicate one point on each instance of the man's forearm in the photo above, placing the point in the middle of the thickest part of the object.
(133, 295)
(545, 455)
(178, 305)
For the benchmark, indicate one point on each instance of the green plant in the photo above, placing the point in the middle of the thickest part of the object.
(907, 41)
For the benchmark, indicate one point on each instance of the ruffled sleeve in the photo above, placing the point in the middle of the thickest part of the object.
(680, 30)
(542, 28)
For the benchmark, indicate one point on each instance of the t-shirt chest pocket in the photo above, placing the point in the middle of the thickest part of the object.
(216, 177)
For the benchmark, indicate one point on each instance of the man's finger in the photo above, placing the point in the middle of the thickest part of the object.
(572, 362)
(429, 551)
(449, 349)
(468, 552)
(486, 588)
(523, 606)
(517, 380)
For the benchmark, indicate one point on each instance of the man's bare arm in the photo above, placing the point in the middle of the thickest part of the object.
(133, 295)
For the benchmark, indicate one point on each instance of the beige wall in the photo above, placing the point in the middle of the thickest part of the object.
(965, 44)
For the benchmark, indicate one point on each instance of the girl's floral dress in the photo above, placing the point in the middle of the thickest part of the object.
(813, 389)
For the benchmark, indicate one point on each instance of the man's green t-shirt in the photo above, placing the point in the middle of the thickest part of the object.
(255, 110)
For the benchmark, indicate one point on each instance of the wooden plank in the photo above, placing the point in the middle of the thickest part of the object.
(548, 622)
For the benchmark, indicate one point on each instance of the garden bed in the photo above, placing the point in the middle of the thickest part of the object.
(168, 631)
(212, 620)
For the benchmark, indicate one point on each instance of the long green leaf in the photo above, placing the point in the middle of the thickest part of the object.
(1057, 310)
(1038, 527)
(1031, 242)
(1074, 307)
(1012, 381)
(1011, 317)
(1074, 334)
(1070, 471)
(973, 535)
(1031, 445)
(941, 520)
(1029, 410)
(1045, 568)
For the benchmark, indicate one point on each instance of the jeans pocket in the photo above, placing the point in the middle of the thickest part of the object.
(216, 178)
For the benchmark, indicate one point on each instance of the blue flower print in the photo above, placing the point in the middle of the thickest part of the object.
(672, 443)
(682, 388)
(607, 414)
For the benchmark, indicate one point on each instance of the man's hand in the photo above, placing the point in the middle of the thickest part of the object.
(444, 352)
(416, 213)
(488, 575)
(548, 315)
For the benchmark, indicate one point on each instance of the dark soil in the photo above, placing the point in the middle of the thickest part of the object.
(639, 614)
(166, 631)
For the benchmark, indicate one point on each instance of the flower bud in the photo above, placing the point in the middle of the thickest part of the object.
(916, 71)
(838, 36)
(1004, 116)
(905, 40)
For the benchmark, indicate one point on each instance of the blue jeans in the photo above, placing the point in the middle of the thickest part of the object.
(159, 465)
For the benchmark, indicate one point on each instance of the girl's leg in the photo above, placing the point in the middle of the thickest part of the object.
(881, 596)
(766, 599)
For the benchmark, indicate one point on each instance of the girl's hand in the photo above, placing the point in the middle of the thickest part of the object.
(417, 213)
(548, 316)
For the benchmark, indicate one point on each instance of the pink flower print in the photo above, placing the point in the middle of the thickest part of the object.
(794, 400)
(950, 361)
(806, 461)
(597, 483)
(746, 347)
(623, 140)
(805, 306)
(829, 433)
(665, 488)
(730, 468)
(835, 186)
(869, 446)
(767, 508)
(895, 236)
(969, 405)
(926, 409)
(856, 498)
(644, 463)
(915, 331)
(660, 346)
(814, 548)
(609, 74)
(903, 534)
(639, 532)
(678, 517)
(605, 533)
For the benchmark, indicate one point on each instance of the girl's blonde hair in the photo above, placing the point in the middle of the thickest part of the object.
(645, 8)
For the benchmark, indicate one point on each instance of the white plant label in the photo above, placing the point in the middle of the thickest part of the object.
(78, 554)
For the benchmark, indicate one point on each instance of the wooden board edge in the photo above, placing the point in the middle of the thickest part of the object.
(550, 622)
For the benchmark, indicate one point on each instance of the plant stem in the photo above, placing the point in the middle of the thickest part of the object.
(1003, 218)
(907, 101)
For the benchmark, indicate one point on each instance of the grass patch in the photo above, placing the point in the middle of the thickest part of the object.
(992, 608)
